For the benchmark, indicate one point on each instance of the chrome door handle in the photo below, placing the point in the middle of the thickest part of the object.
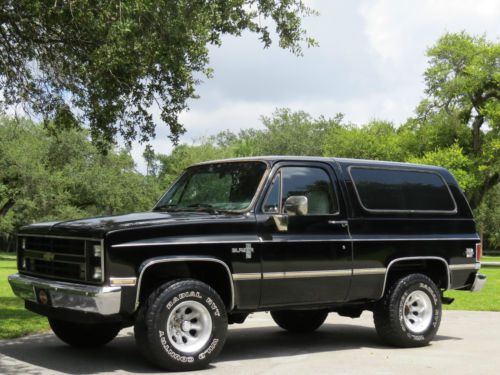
(342, 223)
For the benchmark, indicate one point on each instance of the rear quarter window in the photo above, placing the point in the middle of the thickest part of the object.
(401, 190)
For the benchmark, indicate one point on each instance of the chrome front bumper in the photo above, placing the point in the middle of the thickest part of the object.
(479, 282)
(86, 298)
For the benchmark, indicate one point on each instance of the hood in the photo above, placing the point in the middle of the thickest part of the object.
(99, 226)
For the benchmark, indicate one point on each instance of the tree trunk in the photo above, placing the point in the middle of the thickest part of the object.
(7, 206)
(476, 133)
(488, 184)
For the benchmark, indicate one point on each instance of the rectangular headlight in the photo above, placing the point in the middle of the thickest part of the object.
(97, 275)
(97, 251)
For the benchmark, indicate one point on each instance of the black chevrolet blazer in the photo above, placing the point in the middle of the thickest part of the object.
(298, 236)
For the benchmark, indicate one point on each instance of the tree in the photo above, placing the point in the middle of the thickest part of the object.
(376, 140)
(464, 75)
(106, 63)
(46, 177)
(463, 79)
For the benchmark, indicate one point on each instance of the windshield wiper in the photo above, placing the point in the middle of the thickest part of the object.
(204, 207)
(167, 207)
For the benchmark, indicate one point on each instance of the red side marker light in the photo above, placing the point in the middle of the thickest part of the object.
(479, 251)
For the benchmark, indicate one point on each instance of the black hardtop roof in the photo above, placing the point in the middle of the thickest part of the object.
(272, 159)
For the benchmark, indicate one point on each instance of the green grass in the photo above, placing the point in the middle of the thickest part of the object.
(488, 299)
(490, 258)
(15, 320)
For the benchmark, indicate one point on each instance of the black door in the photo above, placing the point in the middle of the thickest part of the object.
(306, 259)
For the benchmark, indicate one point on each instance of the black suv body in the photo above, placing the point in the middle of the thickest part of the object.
(297, 236)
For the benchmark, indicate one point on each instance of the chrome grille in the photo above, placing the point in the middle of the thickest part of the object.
(66, 258)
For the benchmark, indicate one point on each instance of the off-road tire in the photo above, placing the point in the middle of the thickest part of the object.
(152, 325)
(389, 314)
(299, 321)
(83, 335)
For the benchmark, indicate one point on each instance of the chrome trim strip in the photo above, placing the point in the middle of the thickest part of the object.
(448, 286)
(368, 271)
(132, 244)
(104, 300)
(148, 263)
(247, 276)
(305, 274)
(458, 267)
(373, 239)
(63, 237)
(308, 274)
(405, 169)
(362, 238)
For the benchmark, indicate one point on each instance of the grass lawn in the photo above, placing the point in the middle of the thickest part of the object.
(487, 299)
(490, 258)
(15, 320)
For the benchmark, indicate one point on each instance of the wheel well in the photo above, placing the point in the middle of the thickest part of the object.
(435, 269)
(211, 273)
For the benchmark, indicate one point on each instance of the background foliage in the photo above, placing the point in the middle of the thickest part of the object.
(46, 175)
(106, 63)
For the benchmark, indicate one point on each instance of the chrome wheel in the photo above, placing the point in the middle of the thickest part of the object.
(189, 327)
(417, 311)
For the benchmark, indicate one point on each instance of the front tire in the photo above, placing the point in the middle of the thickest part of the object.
(299, 321)
(182, 326)
(409, 315)
(82, 335)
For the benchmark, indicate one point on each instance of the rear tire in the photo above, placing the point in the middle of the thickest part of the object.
(82, 335)
(409, 315)
(299, 321)
(182, 326)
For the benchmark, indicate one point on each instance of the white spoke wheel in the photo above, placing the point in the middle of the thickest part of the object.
(409, 315)
(181, 326)
(417, 311)
(189, 327)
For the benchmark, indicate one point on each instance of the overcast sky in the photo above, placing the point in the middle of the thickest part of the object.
(368, 65)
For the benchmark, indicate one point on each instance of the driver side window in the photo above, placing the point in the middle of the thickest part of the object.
(311, 182)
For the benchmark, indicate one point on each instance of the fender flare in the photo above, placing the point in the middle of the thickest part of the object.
(170, 259)
(392, 262)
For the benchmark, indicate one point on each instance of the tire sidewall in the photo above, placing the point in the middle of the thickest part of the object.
(433, 294)
(165, 306)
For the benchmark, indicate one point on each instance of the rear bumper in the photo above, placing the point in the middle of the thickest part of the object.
(478, 283)
(85, 298)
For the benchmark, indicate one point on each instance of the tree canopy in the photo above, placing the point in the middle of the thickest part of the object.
(463, 82)
(106, 63)
(45, 177)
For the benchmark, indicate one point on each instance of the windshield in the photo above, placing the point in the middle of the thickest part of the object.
(214, 187)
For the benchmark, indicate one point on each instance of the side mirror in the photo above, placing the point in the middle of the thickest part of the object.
(296, 205)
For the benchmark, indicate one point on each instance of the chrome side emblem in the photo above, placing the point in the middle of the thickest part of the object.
(49, 257)
(469, 252)
(247, 250)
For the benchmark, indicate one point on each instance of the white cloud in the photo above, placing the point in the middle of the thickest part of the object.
(369, 65)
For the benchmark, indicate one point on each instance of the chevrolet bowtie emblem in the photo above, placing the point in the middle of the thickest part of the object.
(49, 257)
(248, 250)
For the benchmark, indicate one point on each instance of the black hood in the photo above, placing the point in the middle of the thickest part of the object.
(99, 226)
